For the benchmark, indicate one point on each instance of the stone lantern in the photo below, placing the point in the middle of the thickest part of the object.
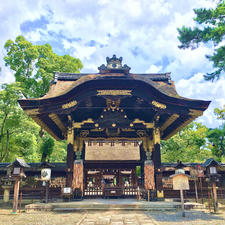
(6, 186)
(211, 166)
(17, 172)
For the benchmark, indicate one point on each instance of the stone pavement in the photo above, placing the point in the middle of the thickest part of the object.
(193, 217)
(117, 218)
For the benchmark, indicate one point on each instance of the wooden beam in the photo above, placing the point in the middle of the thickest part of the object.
(58, 122)
(194, 114)
(169, 121)
(45, 127)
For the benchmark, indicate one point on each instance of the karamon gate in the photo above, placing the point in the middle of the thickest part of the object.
(113, 121)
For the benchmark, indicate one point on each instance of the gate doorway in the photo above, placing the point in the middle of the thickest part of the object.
(110, 182)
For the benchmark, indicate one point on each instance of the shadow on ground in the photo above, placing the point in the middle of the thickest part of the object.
(193, 215)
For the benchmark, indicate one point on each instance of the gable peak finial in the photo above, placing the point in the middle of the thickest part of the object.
(114, 65)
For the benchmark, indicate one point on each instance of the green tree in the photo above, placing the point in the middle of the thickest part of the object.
(216, 138)
(60, 152)
(210, 29)
(33, 65)
(220, 113)
(46, 147)
(17, 131)
(189, 145)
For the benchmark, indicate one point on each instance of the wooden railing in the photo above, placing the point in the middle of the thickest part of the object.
(130, 192)
(93, 192)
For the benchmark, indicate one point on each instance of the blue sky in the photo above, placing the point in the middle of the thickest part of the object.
(143, 32)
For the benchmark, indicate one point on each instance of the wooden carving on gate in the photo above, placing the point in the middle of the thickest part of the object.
(78, 175)
(149, 175)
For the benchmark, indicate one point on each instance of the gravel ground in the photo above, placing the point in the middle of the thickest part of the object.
(112, 218)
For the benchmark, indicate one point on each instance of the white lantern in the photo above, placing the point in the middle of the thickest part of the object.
(46, 174)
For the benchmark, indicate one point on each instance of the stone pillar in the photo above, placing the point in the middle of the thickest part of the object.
(70, 153)
(6, 193)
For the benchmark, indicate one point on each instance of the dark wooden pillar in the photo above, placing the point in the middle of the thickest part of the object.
(70, 154)
(142, 161)
(70, 160)
(156, 156)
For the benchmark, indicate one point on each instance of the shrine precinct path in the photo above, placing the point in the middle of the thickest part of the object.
(194, 217)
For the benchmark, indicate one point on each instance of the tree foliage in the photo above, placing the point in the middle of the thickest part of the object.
(210, 28)
(220, 113)
(189, 145)
(46, 148)
(33, 65)
(216, 138)
(17, 131)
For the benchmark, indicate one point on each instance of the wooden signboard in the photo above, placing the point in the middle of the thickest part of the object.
(180, 182)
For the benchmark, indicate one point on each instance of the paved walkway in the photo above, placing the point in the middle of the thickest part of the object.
(193, 217)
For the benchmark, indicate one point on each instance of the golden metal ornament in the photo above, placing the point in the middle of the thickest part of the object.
(69, 104)
(148, 125)
(84, 133)
(159, 105)
(156, 135)
(114, 92)
(113, 105)
(79, 124)
(70, 136)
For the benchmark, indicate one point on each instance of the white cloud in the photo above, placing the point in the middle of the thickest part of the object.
(143, 32)
(154, 69)
(197, 88)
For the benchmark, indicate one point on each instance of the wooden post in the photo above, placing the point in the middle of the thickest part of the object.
(20, 201)
(201, 188)
(209, 200)
(215, 204)
(182, 202)
(196, 191)
(16, 193)
(46, 191)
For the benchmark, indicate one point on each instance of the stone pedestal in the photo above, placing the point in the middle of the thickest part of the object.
(78, 175)
(6, 193)
(149, 180)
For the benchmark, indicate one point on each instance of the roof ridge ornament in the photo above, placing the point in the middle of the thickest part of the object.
(114, 65)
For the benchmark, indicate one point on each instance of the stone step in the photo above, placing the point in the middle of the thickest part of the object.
(110, 205)
(113, 208)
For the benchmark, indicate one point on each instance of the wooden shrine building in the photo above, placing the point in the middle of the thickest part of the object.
(113, 121)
